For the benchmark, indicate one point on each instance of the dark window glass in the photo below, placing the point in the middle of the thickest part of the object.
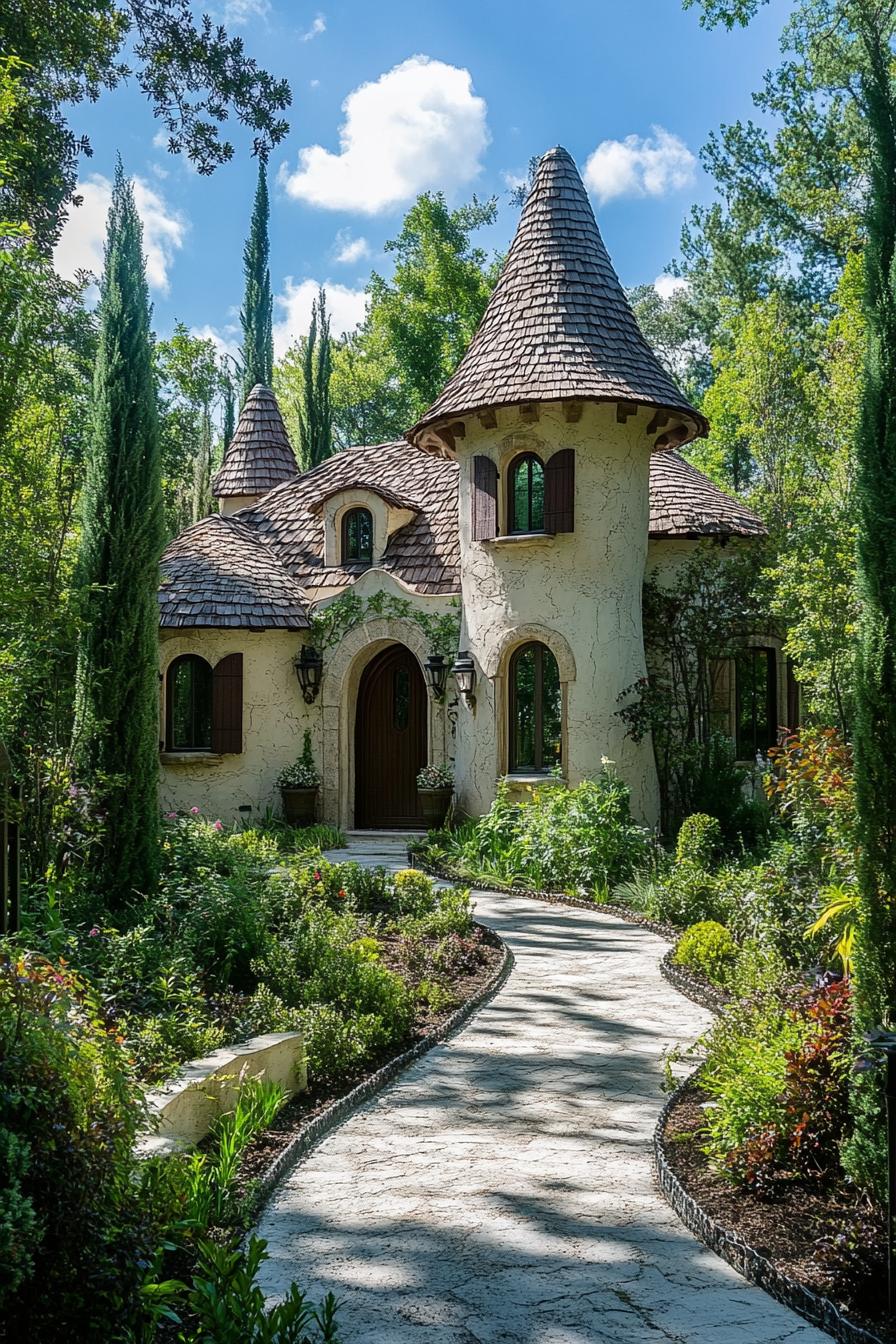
(756, 696)
(525, 503)
(401, 697)
(357, 537)
(536, 710)
(189, 701)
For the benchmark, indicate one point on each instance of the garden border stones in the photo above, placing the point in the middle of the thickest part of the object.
(340, 1110)
(755, 1268)
(692, 986)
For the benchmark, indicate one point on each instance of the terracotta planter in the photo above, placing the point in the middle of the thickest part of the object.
(434, 805)
(298, 806)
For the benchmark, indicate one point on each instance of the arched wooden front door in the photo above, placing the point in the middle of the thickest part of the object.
(390, 740)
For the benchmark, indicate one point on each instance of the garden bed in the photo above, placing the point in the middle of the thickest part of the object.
(784, 1243)
(309, 1116)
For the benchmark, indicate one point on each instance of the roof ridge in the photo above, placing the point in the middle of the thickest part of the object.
(558, 325)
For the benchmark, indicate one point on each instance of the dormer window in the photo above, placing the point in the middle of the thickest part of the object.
(525, 494)
(357, 537)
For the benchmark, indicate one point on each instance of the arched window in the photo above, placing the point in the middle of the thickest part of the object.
(357, 537)
(536, 710)
(188, 703)
(525, 494)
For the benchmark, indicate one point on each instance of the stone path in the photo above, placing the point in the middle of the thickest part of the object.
(501, 1191)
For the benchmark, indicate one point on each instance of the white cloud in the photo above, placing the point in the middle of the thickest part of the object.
(667, 285)
(226, 342)
(514, 181)
(160, 139)
(349, 250)
(650, 166)
(81, 244)
(314, 83)
(345, 306)
(317, 27)
(418, 126)
(240, 12)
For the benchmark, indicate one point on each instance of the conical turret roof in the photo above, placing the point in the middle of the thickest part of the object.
(558, 325)
(259, 456)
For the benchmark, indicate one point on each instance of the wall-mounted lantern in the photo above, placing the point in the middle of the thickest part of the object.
(436, 670)
(464, 673)
(309, 666)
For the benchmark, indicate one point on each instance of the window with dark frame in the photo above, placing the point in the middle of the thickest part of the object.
(357, 537)
(525, 495)
(188, 704)
(756, 701)
(536, 711)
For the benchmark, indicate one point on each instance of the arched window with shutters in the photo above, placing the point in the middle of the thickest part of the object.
(204, 705)
(536, 711)
(188, 701)
(525, 494)
(357, 537)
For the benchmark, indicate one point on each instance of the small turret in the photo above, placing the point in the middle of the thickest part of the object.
(258, 457)
(552, 414)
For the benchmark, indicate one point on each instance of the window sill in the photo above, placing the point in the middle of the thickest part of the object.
(535, 779)
(522, 539)
(190, 757)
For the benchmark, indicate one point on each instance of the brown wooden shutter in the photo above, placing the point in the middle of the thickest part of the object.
(485, 499)
(560, 491)
(227, 705)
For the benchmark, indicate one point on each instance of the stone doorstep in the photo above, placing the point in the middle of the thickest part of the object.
(182, 1112)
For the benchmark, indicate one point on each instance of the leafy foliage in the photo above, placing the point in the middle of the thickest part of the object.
(256, 314)
(709, 948)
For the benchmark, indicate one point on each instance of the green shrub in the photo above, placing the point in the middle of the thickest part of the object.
(756, 967)
(414, 892)
(580, 839)
(708, 948)
(688, 894)
(699, 840)
(68, 1117)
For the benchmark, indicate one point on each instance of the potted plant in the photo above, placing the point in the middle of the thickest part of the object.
(298, 784)
(435, 784)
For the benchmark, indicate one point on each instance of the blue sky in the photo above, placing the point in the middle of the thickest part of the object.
(458, 96)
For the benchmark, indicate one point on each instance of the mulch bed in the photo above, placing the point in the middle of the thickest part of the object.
(297, 1114)
(796, 1228)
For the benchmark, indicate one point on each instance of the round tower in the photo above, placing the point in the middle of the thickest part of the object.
(258, 457)
(553, 414)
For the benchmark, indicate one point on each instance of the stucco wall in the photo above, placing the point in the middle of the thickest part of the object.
(581, 590)
(275, 715)
(274, 720)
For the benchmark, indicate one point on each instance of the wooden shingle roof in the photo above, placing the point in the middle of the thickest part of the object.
(558, 325)
(218, 574)
(259, 456)
(685, 503)
(423, 554)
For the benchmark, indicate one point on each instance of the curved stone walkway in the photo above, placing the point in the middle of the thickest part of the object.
(501, 1190)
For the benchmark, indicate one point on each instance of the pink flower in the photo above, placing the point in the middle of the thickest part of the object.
(219, 825)
(317, 875)
(171, 816)
(94, 932)
(194, 811)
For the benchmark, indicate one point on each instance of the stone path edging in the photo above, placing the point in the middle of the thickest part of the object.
(340, 1110)
(692, 987)
(818, 1310)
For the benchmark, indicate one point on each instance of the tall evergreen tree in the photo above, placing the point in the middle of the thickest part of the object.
(256, 315)
(229, 408)
(115, 743)
(316, 418)
(875, 462)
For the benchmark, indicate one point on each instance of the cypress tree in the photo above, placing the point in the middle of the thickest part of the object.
(256, 315)
(115, 744)
(875, 732)
(315, 413)
(229, 410)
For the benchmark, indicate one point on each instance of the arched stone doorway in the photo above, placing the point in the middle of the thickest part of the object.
(390, 740)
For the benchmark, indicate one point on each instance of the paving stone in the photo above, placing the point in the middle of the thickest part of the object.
(501, 1191)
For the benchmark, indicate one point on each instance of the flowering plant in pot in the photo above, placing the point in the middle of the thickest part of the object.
(435, 784)
(298, 784)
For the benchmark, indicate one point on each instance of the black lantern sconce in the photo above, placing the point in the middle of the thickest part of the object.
(436, 675)
(464, 673)
(309, 665)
